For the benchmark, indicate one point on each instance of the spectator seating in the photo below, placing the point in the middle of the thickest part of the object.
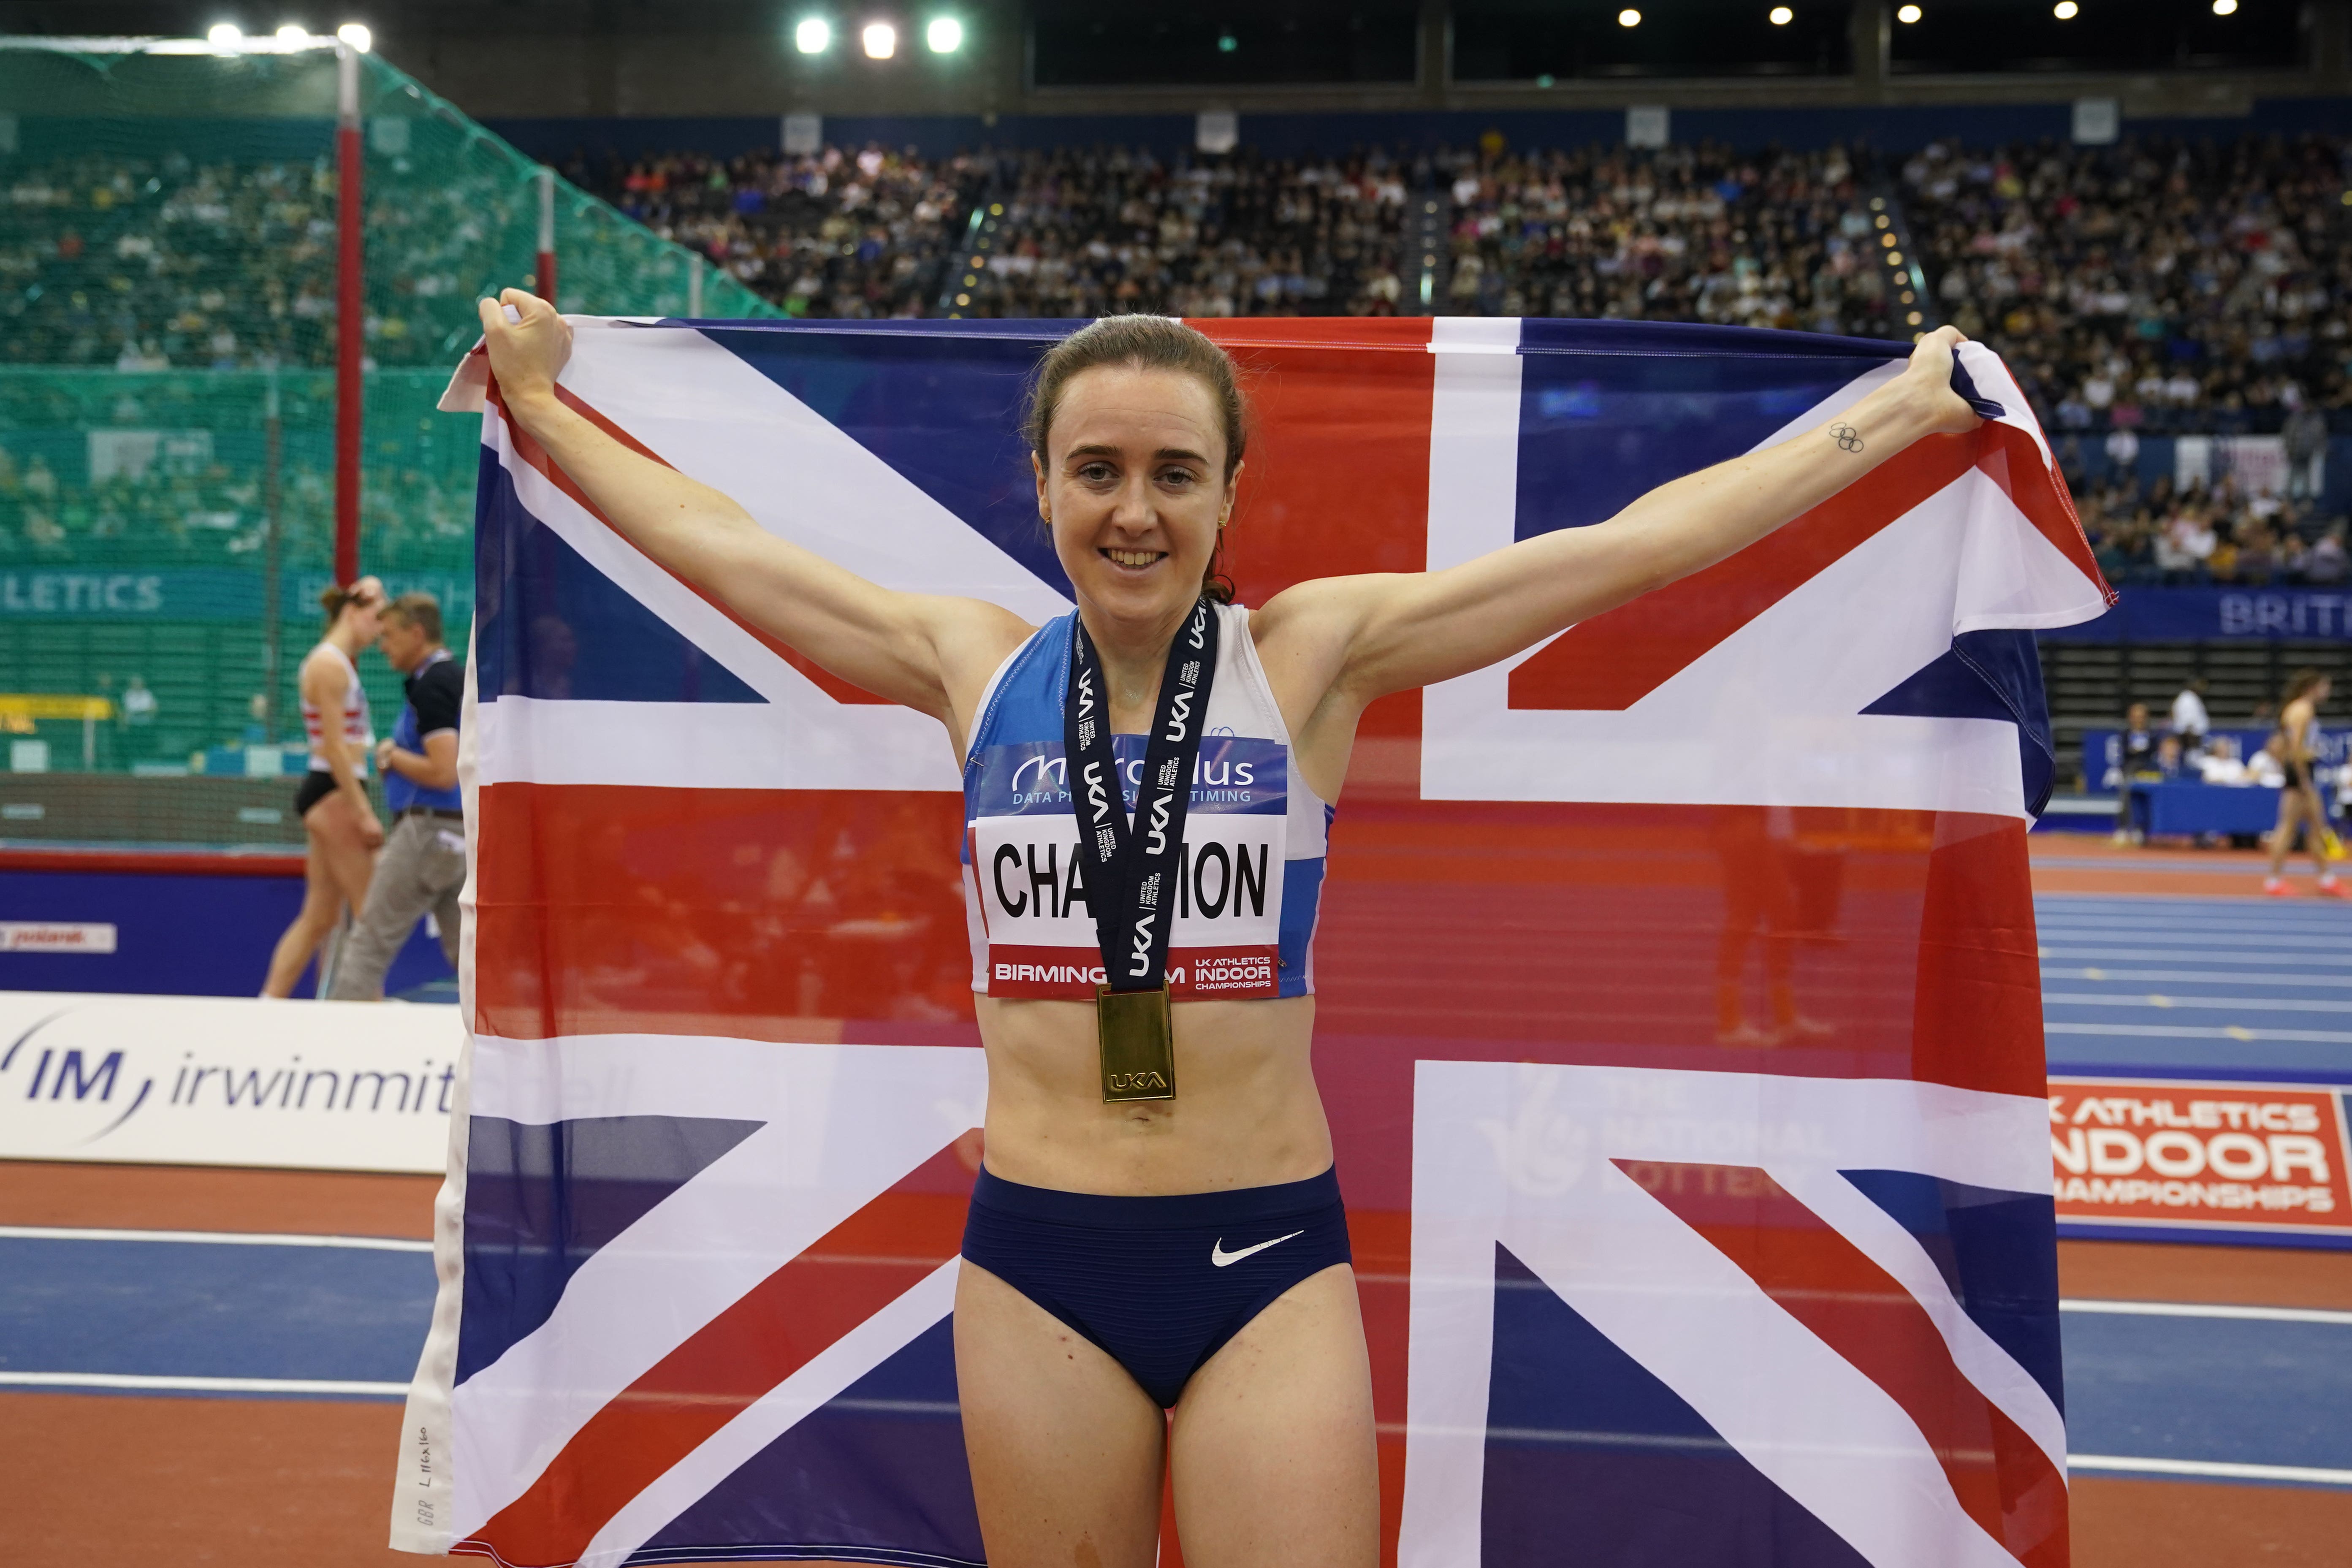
(2156, 284)
(835, 234)
(1093, 233)
(1685, 234)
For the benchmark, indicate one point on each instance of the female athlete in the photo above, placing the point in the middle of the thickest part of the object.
(333, 800)
(2295, 744)
(1132, 1257)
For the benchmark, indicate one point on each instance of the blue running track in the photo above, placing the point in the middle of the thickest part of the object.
(2199, 987)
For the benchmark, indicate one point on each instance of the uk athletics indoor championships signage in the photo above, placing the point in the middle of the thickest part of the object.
(1679, 1019)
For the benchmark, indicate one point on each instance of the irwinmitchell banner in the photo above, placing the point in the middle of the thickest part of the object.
(1679, 1019)
(221, 1080)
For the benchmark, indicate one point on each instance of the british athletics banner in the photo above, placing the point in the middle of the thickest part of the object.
(1679, 1018)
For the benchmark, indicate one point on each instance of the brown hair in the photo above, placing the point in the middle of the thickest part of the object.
(422, 611)
(335, 598)
(2299, 685)
(1147, 342)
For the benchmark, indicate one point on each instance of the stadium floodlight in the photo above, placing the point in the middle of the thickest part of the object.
(1781, 15)
(1908, 13)
(2225, 7)
(356, 34)
(813, 36)
(945, 34)
(881, 41)
(2065, 10)
(293, 35)
(1629, 18)
(224, 35)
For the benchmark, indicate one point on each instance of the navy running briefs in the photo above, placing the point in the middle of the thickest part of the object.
(1158, 1283)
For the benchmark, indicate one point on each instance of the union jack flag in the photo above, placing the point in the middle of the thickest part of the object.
(1679, 1020)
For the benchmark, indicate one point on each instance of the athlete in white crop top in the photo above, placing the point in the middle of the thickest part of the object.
(338, 819)
(1125, 1256)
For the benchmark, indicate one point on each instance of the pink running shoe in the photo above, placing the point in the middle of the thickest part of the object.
(2329, 888)
(2278, 888)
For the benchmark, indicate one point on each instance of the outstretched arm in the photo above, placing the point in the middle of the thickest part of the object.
(900, 646)
(1391, 633)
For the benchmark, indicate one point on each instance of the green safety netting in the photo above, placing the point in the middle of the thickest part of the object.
(167, 339)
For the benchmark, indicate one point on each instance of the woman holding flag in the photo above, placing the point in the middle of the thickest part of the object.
(1158, 1226)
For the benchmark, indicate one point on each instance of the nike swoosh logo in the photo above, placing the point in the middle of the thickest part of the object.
(1221, 1257)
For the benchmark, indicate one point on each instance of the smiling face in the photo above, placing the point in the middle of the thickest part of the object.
(1133, 483)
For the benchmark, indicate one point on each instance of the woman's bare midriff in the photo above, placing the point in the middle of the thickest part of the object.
(1245, 1113)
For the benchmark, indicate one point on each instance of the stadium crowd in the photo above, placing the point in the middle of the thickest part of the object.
(2225, 532)
(2156, 285)
(148, 264)
(1092, 233)
(835, 234)
(1685, 234)
(2150, 288)
(214, 512)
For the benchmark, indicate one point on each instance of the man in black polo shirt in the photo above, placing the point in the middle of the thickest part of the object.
(422, 866)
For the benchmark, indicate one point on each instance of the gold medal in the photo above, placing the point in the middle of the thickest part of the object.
(1137, 1044)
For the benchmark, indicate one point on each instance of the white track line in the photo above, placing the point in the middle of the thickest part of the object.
(2194, 976)
(2182, 1032)
(2144, 999)
(214, 1238)
(2270, 915)
(2147, 955)
(2211, 1468)
(2193, 940)
(199, 1384)
(2207, 1309)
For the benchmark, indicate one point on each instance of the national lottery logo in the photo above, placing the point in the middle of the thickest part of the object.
(1227, 773)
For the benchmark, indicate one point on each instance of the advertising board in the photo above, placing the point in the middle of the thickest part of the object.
(2265, 1159)
(220, 1080)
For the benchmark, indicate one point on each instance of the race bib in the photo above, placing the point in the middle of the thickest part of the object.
(1032, 879)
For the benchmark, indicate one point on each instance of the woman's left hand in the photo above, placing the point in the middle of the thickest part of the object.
(1929, 377)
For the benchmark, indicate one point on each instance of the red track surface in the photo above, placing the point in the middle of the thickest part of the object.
(2160, 872)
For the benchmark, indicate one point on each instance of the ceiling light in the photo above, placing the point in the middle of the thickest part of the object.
(2225, 7)
(2065, 10)
(1907, 13)
(293, 35)
(945, 34)
(1227, 43)
(356, 34)
(813, 35)
(1629, 18)
(225, 34)
(1781, 15)
(881, 41)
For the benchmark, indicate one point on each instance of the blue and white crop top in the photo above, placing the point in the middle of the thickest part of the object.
(1254, 838)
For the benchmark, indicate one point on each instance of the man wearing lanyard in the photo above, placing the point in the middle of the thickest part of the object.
(423, 861)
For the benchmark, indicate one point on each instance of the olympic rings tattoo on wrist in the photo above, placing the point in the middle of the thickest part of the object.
(1848, 439)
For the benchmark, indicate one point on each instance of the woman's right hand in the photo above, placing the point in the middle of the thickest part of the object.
(526, 354)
